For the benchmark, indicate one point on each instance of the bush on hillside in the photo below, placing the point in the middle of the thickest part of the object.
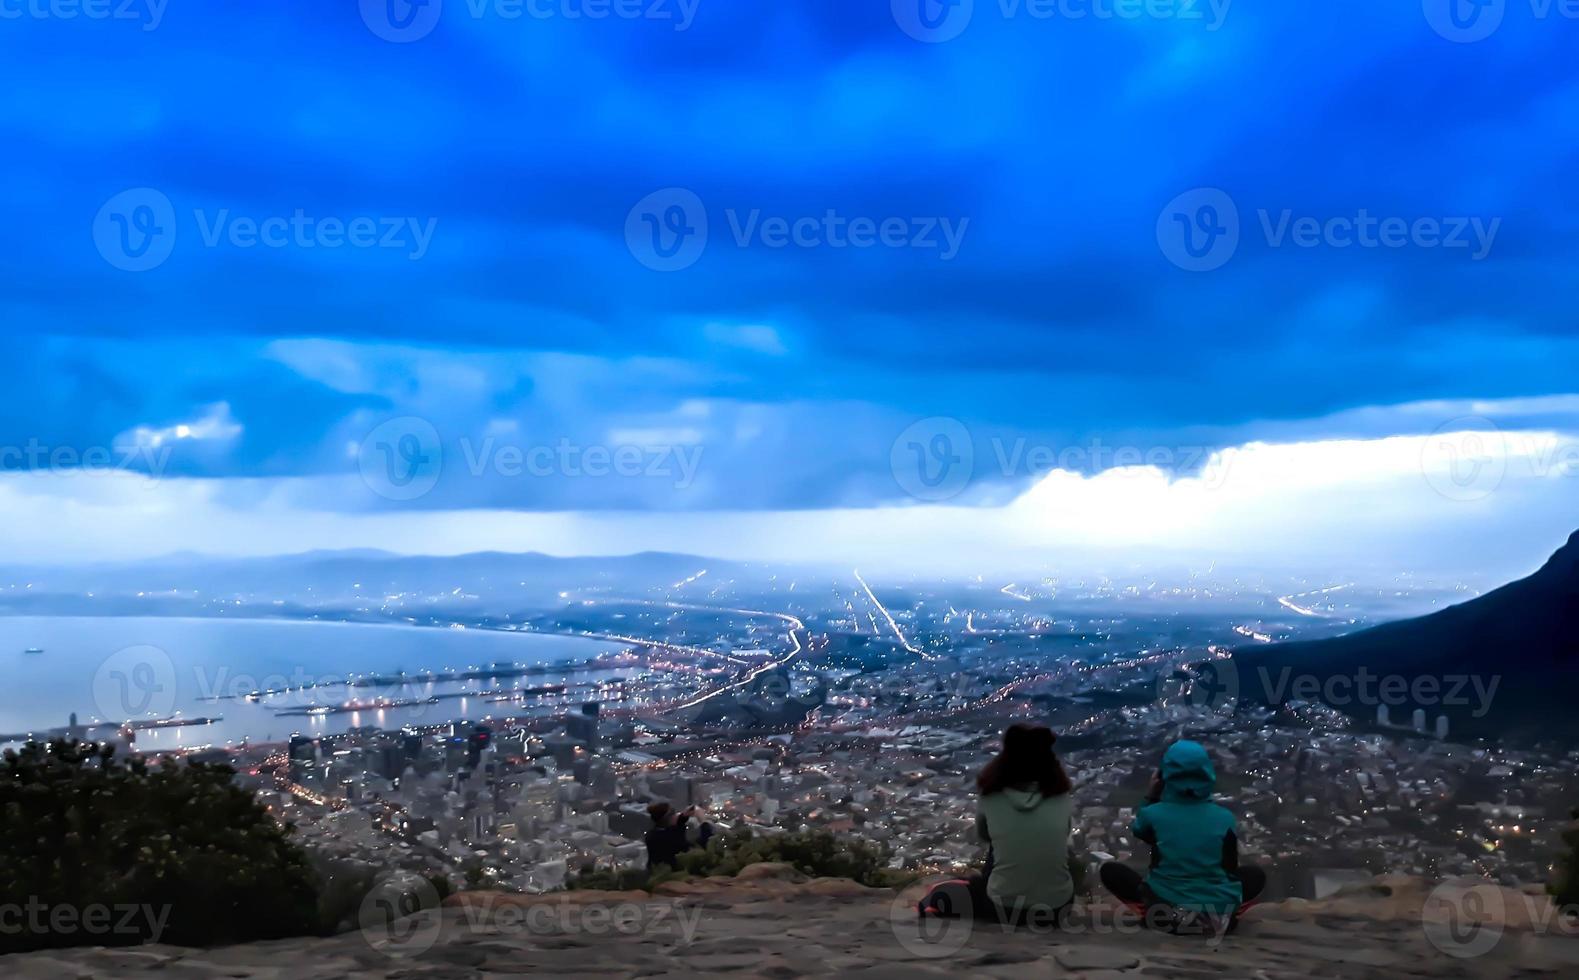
(815, 853)
(179, 843)
(613, 880)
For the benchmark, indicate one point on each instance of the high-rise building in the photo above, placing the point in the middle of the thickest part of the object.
(480, 738)
(302, 754)
(411, 744)
(583, 726)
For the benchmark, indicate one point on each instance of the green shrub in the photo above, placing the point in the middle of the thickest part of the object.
(81, 829)
(815, 853)
(613, 880)
(475, 874)
(342, 887)
(440, 885)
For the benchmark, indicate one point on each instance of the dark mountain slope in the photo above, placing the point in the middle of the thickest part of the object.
(1523, 637)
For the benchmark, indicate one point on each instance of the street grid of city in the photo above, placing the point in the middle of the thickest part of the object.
(867, 712)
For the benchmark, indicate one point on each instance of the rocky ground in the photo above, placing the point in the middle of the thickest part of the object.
(771, 922)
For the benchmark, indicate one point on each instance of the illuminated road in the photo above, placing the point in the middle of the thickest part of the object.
(797, 647)
(1287, 601)
(886, 615)
(687, 581)
(796, 628)
(638, 641)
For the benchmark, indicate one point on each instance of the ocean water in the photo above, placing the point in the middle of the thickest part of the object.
(121, 668)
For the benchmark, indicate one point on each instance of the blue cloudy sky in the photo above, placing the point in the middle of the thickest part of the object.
(829, 278)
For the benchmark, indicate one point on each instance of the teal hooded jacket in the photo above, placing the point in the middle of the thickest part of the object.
(1192, 839)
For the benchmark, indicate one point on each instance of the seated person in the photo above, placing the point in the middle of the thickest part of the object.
(1194, 850)
(670, 835)
(1024, 815)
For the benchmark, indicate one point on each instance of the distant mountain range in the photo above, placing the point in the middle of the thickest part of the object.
(1506, 663)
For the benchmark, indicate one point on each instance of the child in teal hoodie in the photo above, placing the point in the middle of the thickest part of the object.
(1194, 848)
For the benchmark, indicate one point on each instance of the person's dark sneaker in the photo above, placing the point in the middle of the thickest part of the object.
(943, 900)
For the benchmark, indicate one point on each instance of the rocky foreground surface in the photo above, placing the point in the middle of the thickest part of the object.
(772, 922)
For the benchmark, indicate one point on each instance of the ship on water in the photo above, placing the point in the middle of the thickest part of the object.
(34, 650)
